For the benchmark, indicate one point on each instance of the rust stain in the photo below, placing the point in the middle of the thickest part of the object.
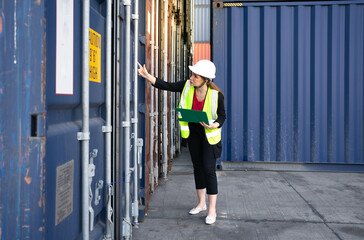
(0, 233)
(1, 22)
(41, 229)
(38, 2)
(26, 178)
(27, 209)
(25, 226)
(40, 203)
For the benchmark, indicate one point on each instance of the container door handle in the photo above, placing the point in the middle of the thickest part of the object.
(98, 186)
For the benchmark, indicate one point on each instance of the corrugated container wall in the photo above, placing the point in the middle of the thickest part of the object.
(292, 74)
(201, 30)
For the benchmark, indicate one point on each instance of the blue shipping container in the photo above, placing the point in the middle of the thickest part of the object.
(22, 119)
(292, 74)
(41, 114)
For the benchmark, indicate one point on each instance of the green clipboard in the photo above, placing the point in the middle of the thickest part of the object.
(192, 116)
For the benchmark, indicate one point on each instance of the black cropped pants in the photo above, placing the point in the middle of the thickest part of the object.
(203, 159)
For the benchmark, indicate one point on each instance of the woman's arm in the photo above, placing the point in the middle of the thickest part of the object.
(221, 115)
(173, 87)
(158, 83)
(144, 73)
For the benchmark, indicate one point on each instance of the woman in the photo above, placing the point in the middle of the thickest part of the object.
(204, 141)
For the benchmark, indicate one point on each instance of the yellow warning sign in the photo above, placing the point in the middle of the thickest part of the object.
(95, 56)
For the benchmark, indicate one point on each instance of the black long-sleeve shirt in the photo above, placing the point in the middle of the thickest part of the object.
(178, 87)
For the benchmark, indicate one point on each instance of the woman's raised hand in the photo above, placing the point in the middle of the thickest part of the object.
(142, 71)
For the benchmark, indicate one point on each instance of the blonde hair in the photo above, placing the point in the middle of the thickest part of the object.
(212, 85)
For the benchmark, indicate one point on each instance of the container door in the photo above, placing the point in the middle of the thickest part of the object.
(64, 117)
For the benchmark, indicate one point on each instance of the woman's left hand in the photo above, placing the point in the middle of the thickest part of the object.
(211, 126)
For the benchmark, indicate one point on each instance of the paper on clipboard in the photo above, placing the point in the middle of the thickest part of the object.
(192, 116)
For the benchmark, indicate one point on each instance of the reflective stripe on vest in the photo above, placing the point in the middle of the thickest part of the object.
(214, 133)
(210, 107)
(186, 89)
(185, 128)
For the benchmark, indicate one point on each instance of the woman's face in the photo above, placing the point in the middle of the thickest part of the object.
(196, 80)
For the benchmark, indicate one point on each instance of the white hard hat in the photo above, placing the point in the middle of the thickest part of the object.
(204, 68)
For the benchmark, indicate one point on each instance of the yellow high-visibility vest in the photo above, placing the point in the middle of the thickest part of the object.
(210, 107)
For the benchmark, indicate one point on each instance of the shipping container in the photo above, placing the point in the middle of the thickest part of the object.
(202, 22)
(201, 51)
(292, 74)
(80, 156)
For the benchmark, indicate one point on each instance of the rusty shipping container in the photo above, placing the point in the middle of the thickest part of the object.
(165, 24)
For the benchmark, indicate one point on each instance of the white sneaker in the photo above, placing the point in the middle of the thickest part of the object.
(194, 211)
(210, 220)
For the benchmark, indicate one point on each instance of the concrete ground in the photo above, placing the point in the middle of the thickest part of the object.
(258, 205)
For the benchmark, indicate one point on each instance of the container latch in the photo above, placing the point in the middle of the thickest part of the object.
(98, 186)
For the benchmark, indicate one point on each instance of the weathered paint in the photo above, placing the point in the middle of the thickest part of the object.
(22, 40)
(292, 74)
